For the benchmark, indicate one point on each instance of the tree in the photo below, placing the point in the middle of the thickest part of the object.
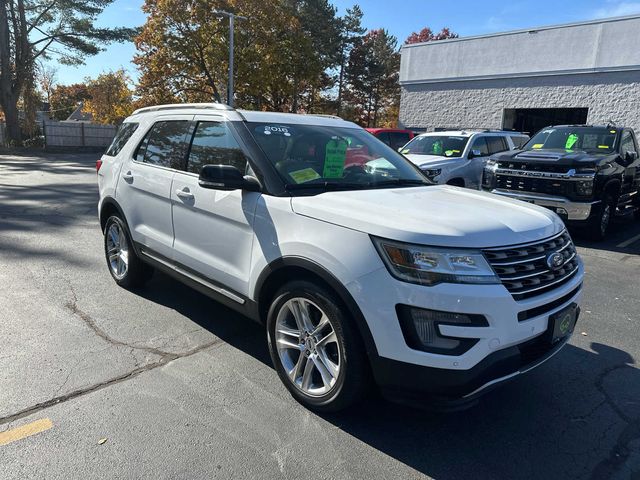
(372, 76)
(351, 32)
(110, 99)
(46, 79)
(427, 35)
(34, 29)
(283, 51)
(66, 98)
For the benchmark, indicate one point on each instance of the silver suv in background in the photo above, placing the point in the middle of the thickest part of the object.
(458, 157)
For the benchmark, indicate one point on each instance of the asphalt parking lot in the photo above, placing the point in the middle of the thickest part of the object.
(165, 383)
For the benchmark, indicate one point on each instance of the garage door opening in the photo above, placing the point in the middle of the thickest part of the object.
(531, 120)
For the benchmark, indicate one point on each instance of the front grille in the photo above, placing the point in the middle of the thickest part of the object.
(535, 185)
(523, 268)
(536, 167)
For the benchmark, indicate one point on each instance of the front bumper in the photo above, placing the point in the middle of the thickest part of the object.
(459, 389)
(504, 348)
(575, 211)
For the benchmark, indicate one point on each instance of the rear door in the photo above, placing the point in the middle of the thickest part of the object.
(214, 228)
(144, 188)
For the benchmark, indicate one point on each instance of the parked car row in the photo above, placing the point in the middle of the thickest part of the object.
(586, 174)
(361, 269)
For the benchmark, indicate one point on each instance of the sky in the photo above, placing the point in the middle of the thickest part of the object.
(399, 17)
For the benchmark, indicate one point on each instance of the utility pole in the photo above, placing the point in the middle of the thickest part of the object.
(232, 18)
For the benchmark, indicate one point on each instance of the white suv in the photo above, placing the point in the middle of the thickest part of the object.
(458, 157)
(359, 268)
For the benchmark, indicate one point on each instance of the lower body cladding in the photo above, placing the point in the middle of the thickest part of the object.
(448, 344)
(565, 208)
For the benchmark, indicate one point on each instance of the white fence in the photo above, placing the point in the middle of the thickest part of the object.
(77, 134)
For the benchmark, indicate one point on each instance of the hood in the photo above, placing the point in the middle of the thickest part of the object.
(439, 215)
(429, 161)
(554, 157)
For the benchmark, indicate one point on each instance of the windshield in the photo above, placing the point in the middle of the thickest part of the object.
(442, 145)
(311, 156)
(589, 139)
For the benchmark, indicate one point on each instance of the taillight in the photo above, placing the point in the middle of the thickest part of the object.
(98, 164)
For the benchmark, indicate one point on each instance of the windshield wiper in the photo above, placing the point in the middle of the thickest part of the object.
(400, 182)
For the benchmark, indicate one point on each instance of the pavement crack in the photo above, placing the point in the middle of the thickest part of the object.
(164, 360)
(91, 323)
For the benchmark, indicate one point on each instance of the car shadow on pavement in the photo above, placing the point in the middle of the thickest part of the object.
(623, 237)
(576, 416)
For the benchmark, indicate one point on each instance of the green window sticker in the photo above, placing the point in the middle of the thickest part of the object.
(448, 153)
(571, 141)
(305, 175)
(437, 147)
(334, 158)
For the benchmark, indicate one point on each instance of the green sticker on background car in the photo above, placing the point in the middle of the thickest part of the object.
(334, 158)
(305, 175)
(571, 141)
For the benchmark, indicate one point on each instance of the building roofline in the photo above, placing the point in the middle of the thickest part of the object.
(523, 30)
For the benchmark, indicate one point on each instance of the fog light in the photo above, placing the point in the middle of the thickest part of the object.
(422, 332)
(584, 188)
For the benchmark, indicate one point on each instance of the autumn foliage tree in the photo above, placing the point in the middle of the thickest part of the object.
(283, 52)
(109, 97)
(64, 99)
(427, 35)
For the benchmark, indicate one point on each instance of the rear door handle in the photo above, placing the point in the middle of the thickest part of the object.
(185, 194)
(128, 176)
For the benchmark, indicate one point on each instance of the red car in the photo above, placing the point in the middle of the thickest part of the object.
(394, 137)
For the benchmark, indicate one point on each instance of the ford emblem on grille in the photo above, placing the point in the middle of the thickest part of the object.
(555, 260)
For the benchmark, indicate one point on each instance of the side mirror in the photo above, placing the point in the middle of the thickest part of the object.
(474, 153)
(630, 157)
(226, 177)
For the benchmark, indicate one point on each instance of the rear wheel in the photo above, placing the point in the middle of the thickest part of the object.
(599, 224)
(125, 266)
(316, 350)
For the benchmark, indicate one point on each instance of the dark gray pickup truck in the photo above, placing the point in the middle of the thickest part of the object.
(585, 173)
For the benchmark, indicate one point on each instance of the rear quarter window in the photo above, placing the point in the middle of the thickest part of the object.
(122, 137)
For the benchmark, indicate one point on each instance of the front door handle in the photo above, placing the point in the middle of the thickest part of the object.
(185, 194)
(128, 176)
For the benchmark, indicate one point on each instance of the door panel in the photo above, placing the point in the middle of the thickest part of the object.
(144, 189)
(213, 228)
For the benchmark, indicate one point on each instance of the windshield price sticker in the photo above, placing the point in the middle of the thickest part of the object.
(538, 145)
(305, 175)
(571, 141)
(275, 130)
(448, 153)
(334, 158)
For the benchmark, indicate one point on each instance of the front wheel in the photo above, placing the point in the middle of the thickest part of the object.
(599, 224)
(316, 350)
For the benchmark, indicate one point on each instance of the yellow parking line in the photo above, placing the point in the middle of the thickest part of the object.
(24, 431)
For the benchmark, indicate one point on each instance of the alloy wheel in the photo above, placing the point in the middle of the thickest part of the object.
(307, 346)
(117, 251)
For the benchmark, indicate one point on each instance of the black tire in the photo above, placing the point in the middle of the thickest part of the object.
(137, 272)
(353, 378)
(599, 224)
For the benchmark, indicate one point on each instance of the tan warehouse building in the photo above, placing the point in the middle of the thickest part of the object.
(524, 80)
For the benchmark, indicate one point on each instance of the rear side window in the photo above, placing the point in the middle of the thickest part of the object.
(383, 137)
(165, 144)
(398, 139)
(122, 137)
(518, 142)
(213, 144)
(497, 144)
(480, 144)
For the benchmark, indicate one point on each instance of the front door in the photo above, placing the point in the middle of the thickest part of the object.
(144, 188)
(213, 228)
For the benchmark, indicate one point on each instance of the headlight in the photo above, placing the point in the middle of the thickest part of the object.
(584, 187)
(430, 266)
(491, 165)
(432, 172)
